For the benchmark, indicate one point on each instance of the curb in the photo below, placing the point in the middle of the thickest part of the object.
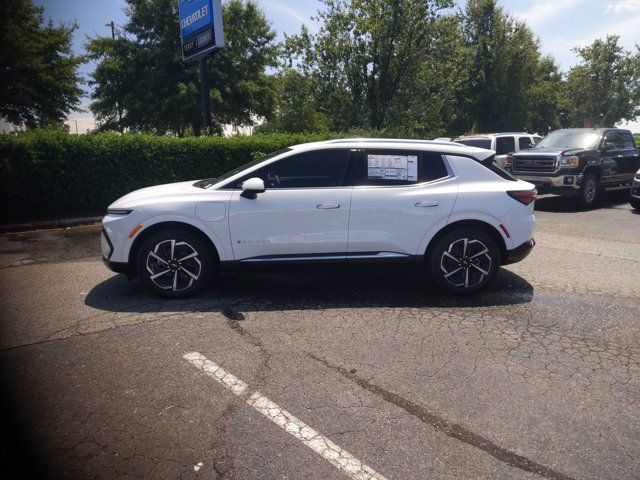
(49, 224)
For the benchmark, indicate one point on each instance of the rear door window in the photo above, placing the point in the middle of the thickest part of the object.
(395, 167)
(505, 145)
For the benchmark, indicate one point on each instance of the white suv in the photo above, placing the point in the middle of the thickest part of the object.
(439, 206)
(501, 143)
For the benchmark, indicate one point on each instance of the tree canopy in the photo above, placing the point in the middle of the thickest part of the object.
(40, 80)
(141, 82)
(605, 86)
(416, 68)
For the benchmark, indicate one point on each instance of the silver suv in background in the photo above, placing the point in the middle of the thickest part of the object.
(501, 143)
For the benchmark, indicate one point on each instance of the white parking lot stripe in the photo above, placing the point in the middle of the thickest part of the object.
(320, 444)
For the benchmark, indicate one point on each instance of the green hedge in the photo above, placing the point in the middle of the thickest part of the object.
(49, 174)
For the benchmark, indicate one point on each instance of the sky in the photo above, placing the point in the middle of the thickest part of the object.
(559, 24)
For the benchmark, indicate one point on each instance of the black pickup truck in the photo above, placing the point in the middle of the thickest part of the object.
(579, 162)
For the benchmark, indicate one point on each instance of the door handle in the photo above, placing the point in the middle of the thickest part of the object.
(328, 206)
(427, 204)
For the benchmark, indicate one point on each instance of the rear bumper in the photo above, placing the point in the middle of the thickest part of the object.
(520, 252)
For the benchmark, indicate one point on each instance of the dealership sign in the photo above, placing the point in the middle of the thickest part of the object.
(200, 27)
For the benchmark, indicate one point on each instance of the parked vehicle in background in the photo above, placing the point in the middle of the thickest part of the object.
(439, 207)
(580, 162)
(501, 143)
(635, 192)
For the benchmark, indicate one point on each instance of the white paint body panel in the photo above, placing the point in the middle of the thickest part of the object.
(395, 218)
(290, 222)
(369, 219)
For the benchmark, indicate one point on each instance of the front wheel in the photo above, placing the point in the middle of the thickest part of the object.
(635, 203)
(465, 260)
(175, 263)
(589, 190)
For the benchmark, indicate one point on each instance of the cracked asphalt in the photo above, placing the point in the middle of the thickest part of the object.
(539, 377)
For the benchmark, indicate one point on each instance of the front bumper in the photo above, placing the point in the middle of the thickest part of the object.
(520, 252)
(560, 184)
(119, 267)
(107, 252)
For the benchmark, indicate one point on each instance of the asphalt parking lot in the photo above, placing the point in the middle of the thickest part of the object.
(333, 376)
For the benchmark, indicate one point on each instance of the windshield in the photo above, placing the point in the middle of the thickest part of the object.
(570, 139)
(208, 182)
(476, 142)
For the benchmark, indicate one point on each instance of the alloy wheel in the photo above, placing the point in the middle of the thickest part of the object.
(590, 190)
(466, 263)
(173, 265)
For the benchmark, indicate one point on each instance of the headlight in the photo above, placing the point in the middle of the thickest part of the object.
(118, 211)
(572, 161)
(638, 176)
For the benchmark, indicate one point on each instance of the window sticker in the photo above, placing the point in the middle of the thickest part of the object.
(393, 167)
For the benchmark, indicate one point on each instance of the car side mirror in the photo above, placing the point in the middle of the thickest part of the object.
(608, 146)
(252, 187)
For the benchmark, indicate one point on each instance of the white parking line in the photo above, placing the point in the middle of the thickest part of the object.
(320, 444)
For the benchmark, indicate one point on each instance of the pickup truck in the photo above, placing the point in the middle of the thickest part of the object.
(579, 162)
(502, 143)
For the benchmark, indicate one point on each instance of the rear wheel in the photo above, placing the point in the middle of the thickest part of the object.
(589, 190)
(465, 260)
(175, 263)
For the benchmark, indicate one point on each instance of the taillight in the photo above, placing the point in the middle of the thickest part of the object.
(523, 196)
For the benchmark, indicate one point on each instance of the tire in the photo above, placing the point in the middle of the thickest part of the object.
(635, 203)
(589, 190)
(464, 261)
(186, 260)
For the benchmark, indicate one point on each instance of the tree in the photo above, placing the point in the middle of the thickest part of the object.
(367, 54)
(40, 81)
(545, 100)
(506, 69)
(297, 110)
(605, 87)
(297, 107)
(405, 68)
(142, 73)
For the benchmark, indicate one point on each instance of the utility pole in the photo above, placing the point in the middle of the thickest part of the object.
(113, 37)
(113, 29)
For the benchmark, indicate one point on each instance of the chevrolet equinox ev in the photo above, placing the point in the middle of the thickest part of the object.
(439, 206)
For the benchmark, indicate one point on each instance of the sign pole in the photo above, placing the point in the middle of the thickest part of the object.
(204, 93)
(202, 35)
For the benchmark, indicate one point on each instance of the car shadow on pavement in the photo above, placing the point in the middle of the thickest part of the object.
(558, 204)
(264, 292)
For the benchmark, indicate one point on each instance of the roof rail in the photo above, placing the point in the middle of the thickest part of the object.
(388, 140)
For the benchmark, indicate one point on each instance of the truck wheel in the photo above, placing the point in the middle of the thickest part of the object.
(589, 190)
(635, 203)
